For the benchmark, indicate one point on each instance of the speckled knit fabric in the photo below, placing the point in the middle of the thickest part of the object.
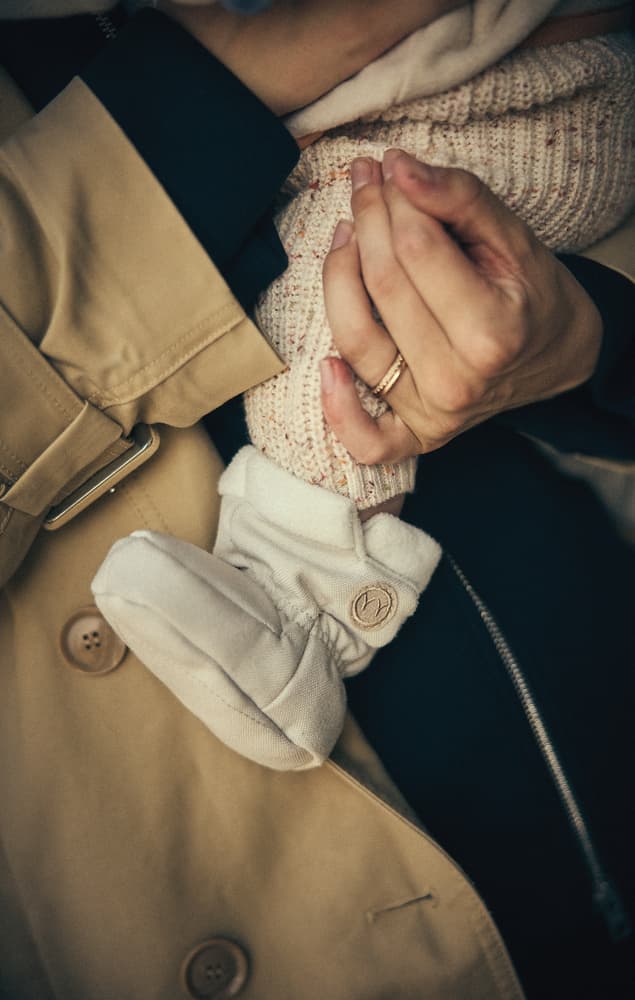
(550, 130)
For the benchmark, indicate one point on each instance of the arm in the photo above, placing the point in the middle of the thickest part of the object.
(116, 287)
(306, 48)
(108, 298)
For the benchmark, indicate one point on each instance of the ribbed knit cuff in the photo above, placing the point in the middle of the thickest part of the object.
(370, 485)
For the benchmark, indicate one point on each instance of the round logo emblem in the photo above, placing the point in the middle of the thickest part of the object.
(374, 605)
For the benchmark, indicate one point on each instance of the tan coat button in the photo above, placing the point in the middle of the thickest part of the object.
(89, 644)
(374, 605)
(217, 968)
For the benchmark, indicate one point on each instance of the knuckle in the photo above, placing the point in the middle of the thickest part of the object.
(412, 242)
(365, 199)
(518, 293)
(352, 342)
(491, 355)
(453, 395)
(381, 279)
(469, 187)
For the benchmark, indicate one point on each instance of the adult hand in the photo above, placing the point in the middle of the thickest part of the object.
(486, 318)
(292, 53)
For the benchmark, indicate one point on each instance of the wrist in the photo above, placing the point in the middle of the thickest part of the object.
(577, 345)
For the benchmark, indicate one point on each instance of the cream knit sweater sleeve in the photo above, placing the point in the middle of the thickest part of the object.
(550, 130)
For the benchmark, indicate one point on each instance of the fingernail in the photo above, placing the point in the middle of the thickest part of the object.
(415, 170)
(342, 234)
(327, 375)
(361, 173)
(388, 163)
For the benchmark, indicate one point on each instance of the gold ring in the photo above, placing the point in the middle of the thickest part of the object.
(386, 383)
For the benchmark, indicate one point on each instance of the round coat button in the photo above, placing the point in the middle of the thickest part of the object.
(217, 968)
(89, 644)
(374, 605)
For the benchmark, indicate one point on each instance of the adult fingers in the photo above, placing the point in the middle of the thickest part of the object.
(458, 297)
(480, 303)
(441, 375)
(403, 311)
(433, 393)
(370, 349)
(385, 439)
(359, 338)
(484, 225)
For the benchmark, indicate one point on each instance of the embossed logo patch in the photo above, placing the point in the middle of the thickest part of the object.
(374, 605)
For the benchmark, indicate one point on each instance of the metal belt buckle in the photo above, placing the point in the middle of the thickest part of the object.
(144, 441)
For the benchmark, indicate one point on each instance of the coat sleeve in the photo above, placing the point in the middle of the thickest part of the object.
(113, 305)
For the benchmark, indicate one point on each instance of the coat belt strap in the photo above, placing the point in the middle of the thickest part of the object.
(55, 448)
(89, 437)
(50, 436)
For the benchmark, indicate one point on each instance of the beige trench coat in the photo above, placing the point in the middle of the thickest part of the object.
(128, 835)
